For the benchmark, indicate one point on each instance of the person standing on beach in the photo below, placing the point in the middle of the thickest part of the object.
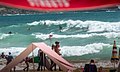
(57, 46)
(27, 64)
(41, 56)
(57, 50)
(52, 63)
(9, 58)
(91, 67)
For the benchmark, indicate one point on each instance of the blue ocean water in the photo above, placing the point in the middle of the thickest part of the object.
(82, 35)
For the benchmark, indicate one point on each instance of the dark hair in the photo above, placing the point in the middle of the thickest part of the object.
(57, 42)
(2, 52)
(92, 61)
(53, 45)
(9, 53)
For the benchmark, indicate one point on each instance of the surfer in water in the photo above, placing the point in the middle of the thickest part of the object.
(60, 28)
(9, 32)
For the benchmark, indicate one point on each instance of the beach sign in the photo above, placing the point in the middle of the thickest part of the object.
(59, 5)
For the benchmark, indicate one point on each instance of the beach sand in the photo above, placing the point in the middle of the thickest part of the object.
(106, 64)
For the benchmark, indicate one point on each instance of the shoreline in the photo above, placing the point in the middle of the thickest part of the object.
(76, 63)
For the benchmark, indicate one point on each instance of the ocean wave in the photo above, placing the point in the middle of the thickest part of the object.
(34, 23)
(65, 50)
(16, 51)
(3, 36)
(82, 50)
(14, 14)
(91, 26)
(106, 34)
(110, 11)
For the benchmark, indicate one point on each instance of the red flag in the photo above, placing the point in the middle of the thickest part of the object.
(59, 5)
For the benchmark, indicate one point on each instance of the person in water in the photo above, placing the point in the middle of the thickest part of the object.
(9, 32)
(60, 28)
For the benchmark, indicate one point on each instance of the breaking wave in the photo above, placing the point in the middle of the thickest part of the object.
(91, 26)
(65, 50)
(107, 35)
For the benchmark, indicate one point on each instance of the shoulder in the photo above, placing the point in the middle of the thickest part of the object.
(86, 65)
(10, 56)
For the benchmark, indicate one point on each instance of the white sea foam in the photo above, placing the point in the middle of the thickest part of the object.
(46, 36)
(33, 23)
(82, 50)
(65, 50)
(93, 26)
(110, 11)
(16, 51)
(2, 36)
(106, 34)
(14, 14)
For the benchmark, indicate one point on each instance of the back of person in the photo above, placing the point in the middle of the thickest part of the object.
(9, 58)
(92, 68)
(86, 68)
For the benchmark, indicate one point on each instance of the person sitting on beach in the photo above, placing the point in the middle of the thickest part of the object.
(91, 67)
(2, 55)
(27, 63)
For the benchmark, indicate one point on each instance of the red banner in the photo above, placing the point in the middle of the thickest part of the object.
(59, 5)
